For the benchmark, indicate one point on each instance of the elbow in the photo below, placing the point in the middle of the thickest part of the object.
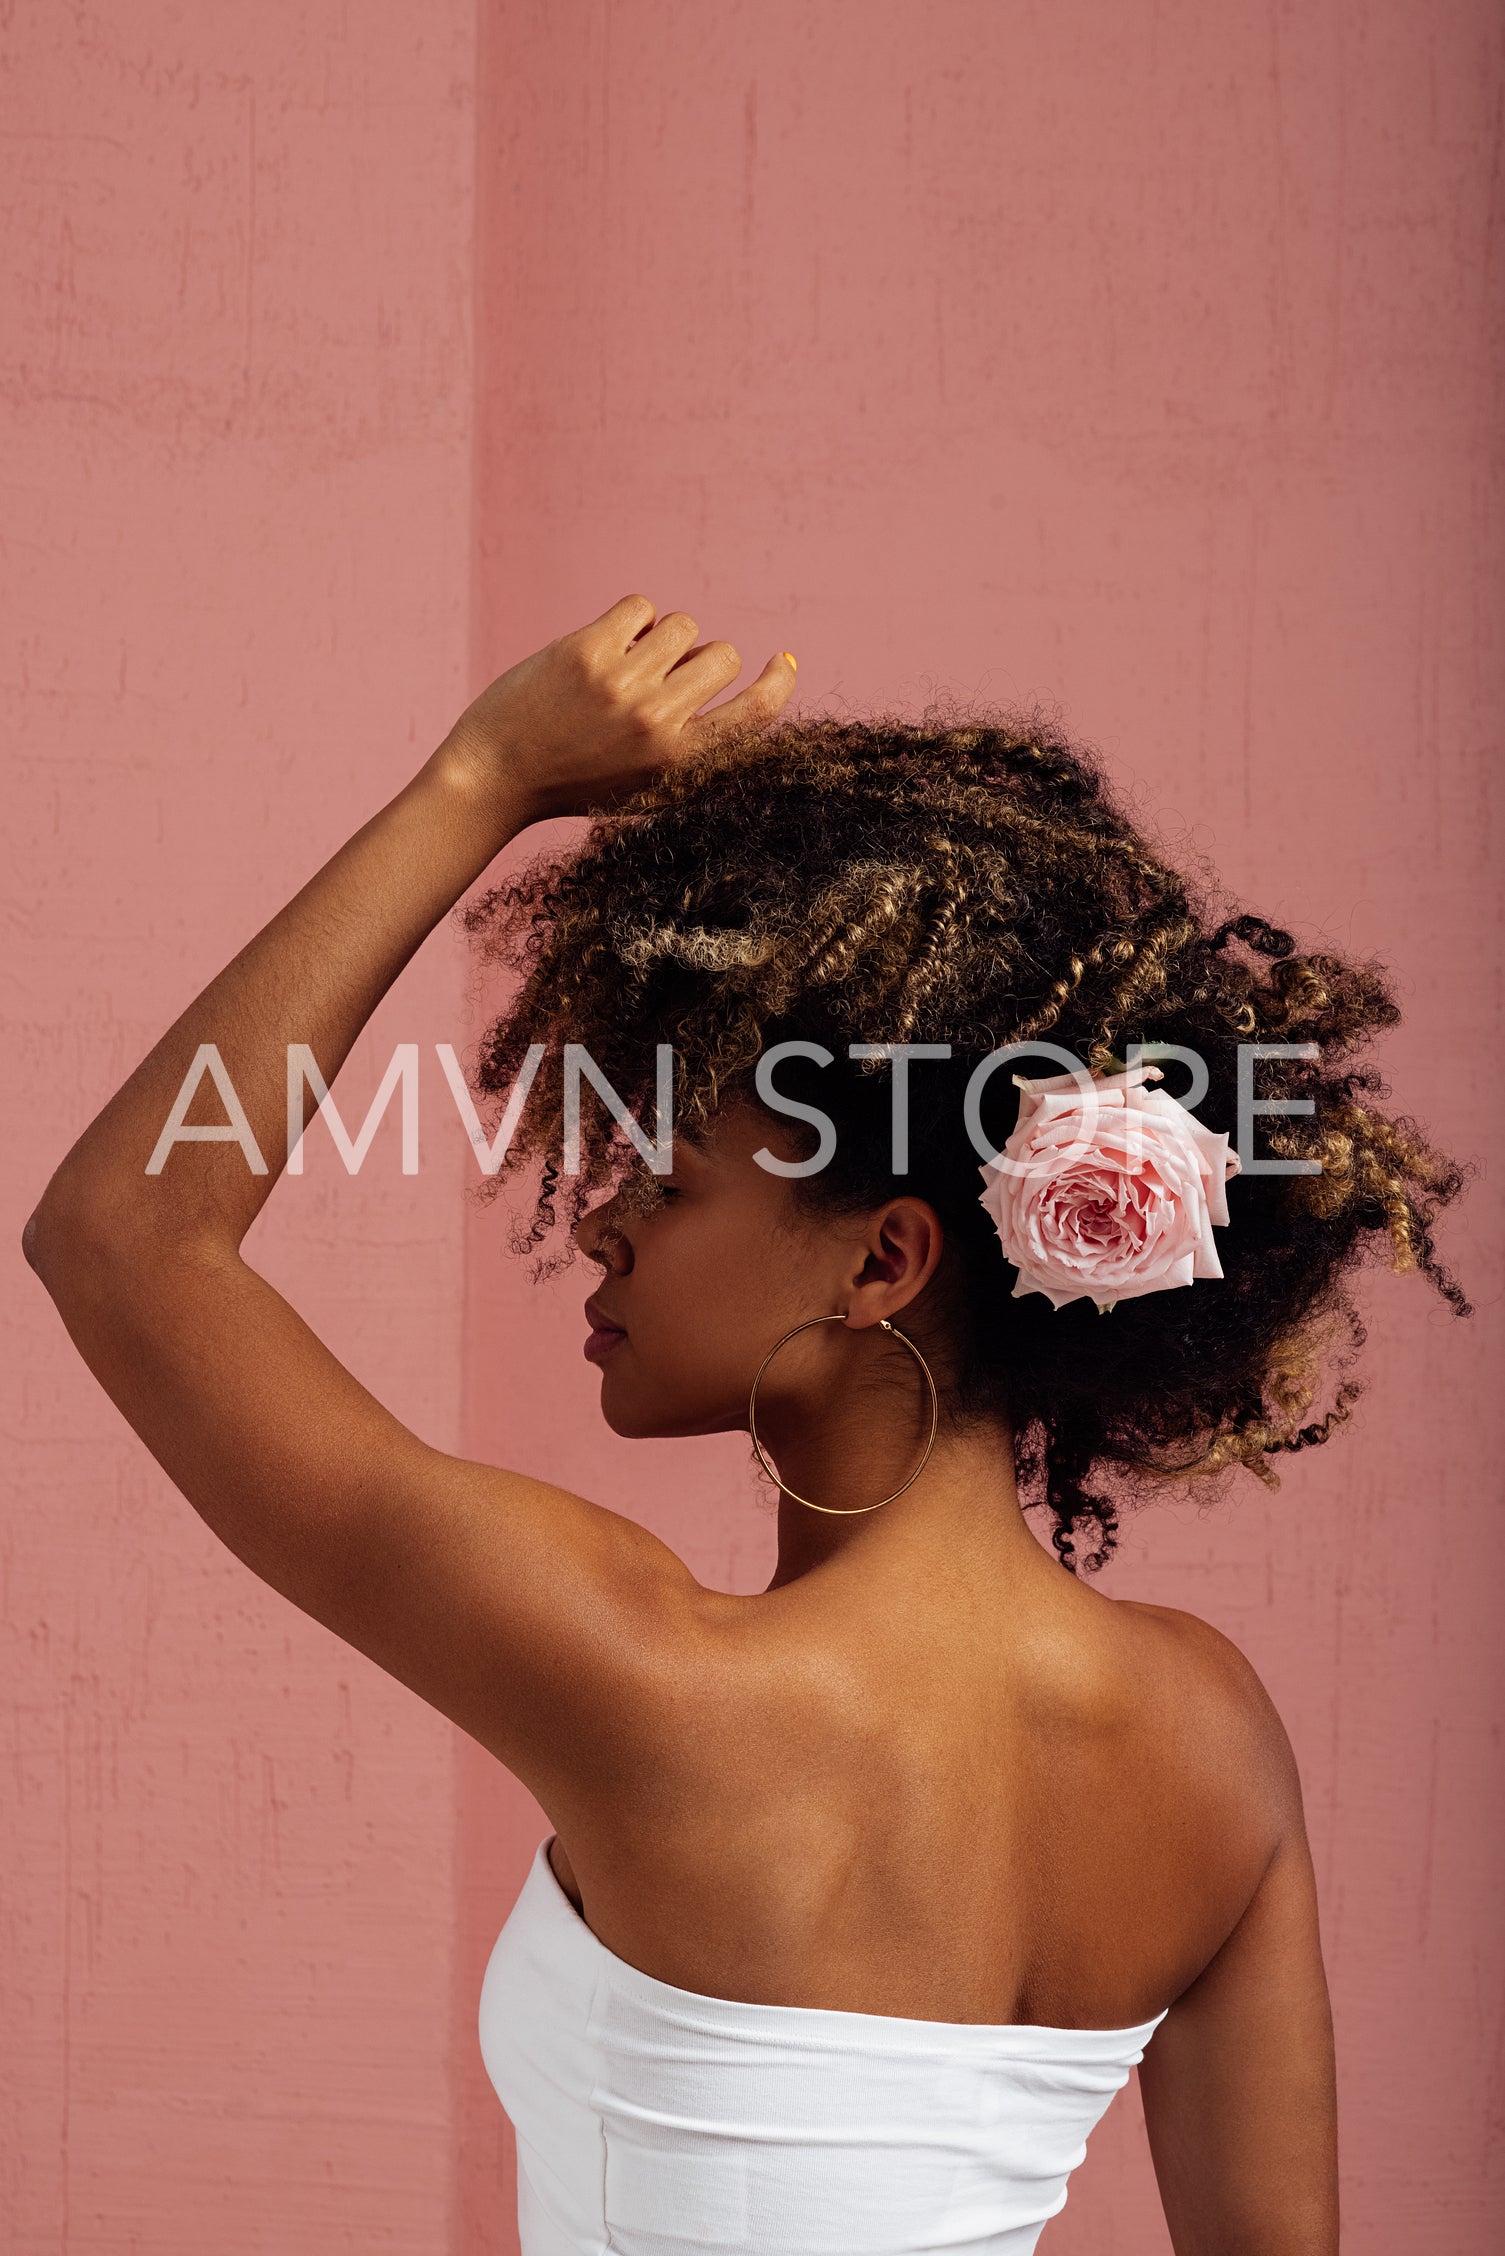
(69, 1237)
(51, 1238)
(87, 1243)
(31, 1241)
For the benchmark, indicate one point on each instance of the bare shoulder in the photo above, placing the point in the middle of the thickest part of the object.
(1196, 1640)
(1201, 1675)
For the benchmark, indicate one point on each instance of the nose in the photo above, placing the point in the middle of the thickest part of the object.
(603, 1240)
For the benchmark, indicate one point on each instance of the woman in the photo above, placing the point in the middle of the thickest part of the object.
(865, 1894)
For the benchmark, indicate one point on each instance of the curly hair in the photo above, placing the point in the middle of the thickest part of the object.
(887, 881)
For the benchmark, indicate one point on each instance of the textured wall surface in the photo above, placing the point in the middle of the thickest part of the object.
(237, 376)
(1134, 357)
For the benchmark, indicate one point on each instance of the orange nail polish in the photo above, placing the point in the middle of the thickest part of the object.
(789, 655)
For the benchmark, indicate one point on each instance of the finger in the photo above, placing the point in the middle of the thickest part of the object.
(664, 645)
(702, 674)
(624, 622)
(754, 708)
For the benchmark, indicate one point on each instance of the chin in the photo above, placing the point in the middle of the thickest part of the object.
(628, 1422)
(636, 1416)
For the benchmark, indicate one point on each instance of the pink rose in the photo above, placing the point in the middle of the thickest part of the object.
(1108, 1189)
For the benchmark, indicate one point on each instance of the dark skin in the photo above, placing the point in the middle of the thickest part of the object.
(926, 1772)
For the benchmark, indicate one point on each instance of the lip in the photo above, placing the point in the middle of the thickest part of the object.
(604, 1334)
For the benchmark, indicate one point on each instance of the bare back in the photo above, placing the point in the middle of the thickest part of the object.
(1054, 1808)
(1050, 1808)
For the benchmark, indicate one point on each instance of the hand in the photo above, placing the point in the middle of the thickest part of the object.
(596, 715)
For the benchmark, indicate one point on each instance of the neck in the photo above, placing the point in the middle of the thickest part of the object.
(964, 1505)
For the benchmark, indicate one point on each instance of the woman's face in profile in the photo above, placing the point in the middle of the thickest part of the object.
(702, 1276)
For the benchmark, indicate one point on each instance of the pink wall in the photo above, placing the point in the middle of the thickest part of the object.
(1137, 356)
(235, 531)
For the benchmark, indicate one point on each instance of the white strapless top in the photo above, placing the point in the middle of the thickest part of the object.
(652, 2121)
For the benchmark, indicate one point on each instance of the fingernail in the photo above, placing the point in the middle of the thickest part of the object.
(788, 656)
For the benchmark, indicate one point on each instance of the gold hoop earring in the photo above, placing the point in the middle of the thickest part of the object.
(843, 1511)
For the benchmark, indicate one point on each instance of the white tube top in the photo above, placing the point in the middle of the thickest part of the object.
(652, 2121)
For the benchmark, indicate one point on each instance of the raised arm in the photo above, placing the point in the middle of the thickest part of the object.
(515, 1608)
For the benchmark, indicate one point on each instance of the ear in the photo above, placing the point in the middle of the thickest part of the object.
(900, 1251)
